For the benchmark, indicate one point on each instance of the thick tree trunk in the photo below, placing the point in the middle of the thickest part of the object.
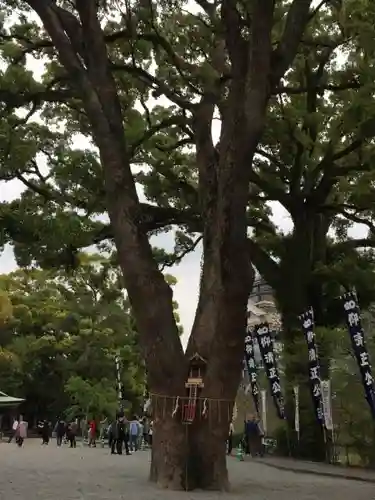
(190, 456)
(296, 268)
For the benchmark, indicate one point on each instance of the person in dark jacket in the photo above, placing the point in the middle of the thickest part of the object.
(118, 436)
(71, 433)
(60, 431)
(44, 431)
(252, 437)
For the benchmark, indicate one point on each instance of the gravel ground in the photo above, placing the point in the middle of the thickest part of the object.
(50, 473)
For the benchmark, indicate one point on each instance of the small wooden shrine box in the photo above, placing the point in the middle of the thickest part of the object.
(194, 383)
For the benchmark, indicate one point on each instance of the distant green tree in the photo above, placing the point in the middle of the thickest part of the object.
(67, 329)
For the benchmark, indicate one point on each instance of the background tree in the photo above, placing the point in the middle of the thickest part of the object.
(315, 159)
(68, 329)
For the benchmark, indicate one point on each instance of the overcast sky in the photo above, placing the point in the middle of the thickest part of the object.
(187, 272)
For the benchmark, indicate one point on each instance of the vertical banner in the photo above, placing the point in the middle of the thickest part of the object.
(264, 410)
(252, 369)
(357, 336)
(263, 334)
(327, 404)
(307, 320)
(296, 409)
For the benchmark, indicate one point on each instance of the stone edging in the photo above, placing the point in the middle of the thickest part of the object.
(327, 473)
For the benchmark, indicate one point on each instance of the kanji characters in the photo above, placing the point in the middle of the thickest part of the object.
(358, 339)
(276, 389)
(363, 359)
(269, 358)
(307, 323)
(310, 335)
(251, 363)
(249, 348)
(317, 392)
(272, 373)
(263, 330)
(312, 354)
(369, 379)
(353, 318)
(349, 304)
(265, 341)
(319, 413)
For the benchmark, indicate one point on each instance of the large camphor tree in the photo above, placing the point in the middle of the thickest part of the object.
(221, 60)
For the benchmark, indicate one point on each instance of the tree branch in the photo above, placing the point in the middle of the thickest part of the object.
(331, 170)
(154, 129)
(267, 267)
(297, 19)
(354, 84)
(340, 209)
(176, 259)
(352, 244)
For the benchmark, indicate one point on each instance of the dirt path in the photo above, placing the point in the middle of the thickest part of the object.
(51, 473)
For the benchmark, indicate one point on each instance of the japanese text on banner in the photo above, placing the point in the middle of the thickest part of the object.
(307, 320)
(252, 369)
(265, 342)
(357, 336)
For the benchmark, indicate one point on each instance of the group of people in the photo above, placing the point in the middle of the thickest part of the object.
(122, 433)
(19, 431)
(131, 435)
(63, 430)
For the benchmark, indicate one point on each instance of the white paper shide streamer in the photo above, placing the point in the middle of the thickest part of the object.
(296, 409)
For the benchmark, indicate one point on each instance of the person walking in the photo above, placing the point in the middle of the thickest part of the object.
(117, 436)
(230, 438)
(92, 433)
(60, 429)
(44, 431)
(71, 433)
(252, 437)
(14, 430)
(21, 433)
(133, 434)
(113, 435)
(103, 426)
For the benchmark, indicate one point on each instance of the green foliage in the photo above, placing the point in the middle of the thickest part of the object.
(90, 399)
(67, 329)
(322, 107)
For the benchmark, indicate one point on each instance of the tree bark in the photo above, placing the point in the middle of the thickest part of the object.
(303, 251)
(190, 456)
